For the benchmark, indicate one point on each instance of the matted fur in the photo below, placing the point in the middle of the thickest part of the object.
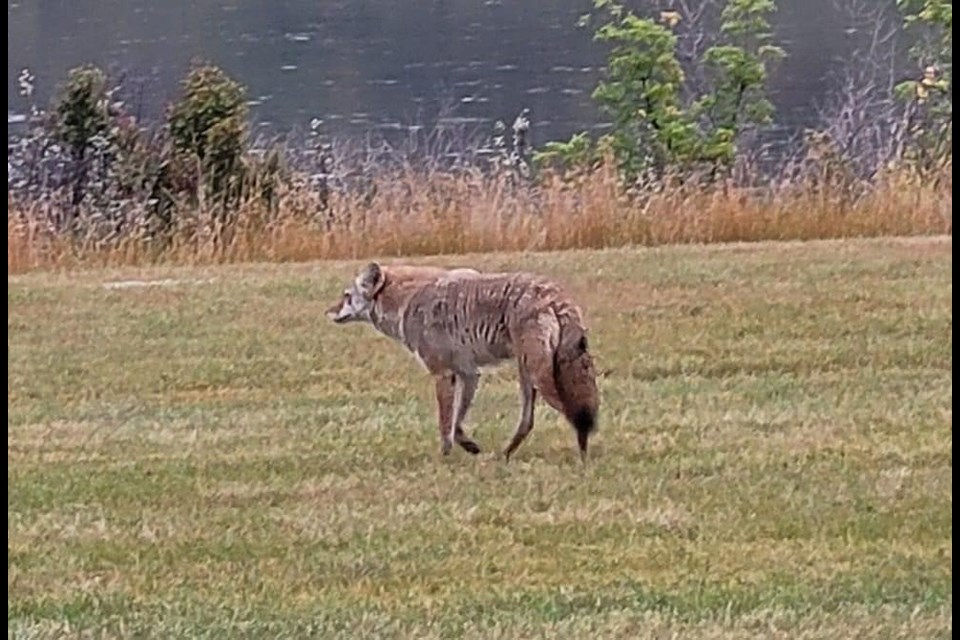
(457, 321)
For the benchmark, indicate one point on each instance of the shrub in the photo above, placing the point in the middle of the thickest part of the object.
(81, 111)
(660, 124)
(929, 137)
(208, 128)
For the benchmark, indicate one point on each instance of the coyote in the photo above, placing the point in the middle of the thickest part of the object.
(457, 321)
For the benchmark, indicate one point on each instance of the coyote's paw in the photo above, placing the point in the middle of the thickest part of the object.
(470, 446)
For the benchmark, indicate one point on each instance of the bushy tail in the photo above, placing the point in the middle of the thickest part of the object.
(576, 380)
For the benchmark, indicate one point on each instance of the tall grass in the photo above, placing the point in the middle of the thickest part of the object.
(88, 185)
(422, 212)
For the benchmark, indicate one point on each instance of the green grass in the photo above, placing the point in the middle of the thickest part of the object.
(215, 459)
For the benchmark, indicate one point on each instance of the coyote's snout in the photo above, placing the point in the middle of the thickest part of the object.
(457, 321)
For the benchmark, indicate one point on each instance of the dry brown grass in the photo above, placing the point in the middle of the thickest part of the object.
(412, 214)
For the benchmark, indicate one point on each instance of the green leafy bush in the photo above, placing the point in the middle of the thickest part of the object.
(655, 128)
(929, 136)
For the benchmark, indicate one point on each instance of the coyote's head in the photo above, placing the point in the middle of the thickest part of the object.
(357, 300)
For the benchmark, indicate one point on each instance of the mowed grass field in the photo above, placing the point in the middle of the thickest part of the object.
(210, 457)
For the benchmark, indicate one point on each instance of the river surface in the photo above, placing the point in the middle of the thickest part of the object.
(376, 65)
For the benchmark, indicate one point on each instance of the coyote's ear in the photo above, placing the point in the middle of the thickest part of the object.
(370, 279)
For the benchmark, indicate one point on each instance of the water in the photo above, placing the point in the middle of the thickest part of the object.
(366, 65)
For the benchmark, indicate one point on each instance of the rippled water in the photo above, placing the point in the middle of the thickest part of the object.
(376, 64)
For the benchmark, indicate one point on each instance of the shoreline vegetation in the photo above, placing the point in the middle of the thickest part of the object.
(683, 162)
(415, 215)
